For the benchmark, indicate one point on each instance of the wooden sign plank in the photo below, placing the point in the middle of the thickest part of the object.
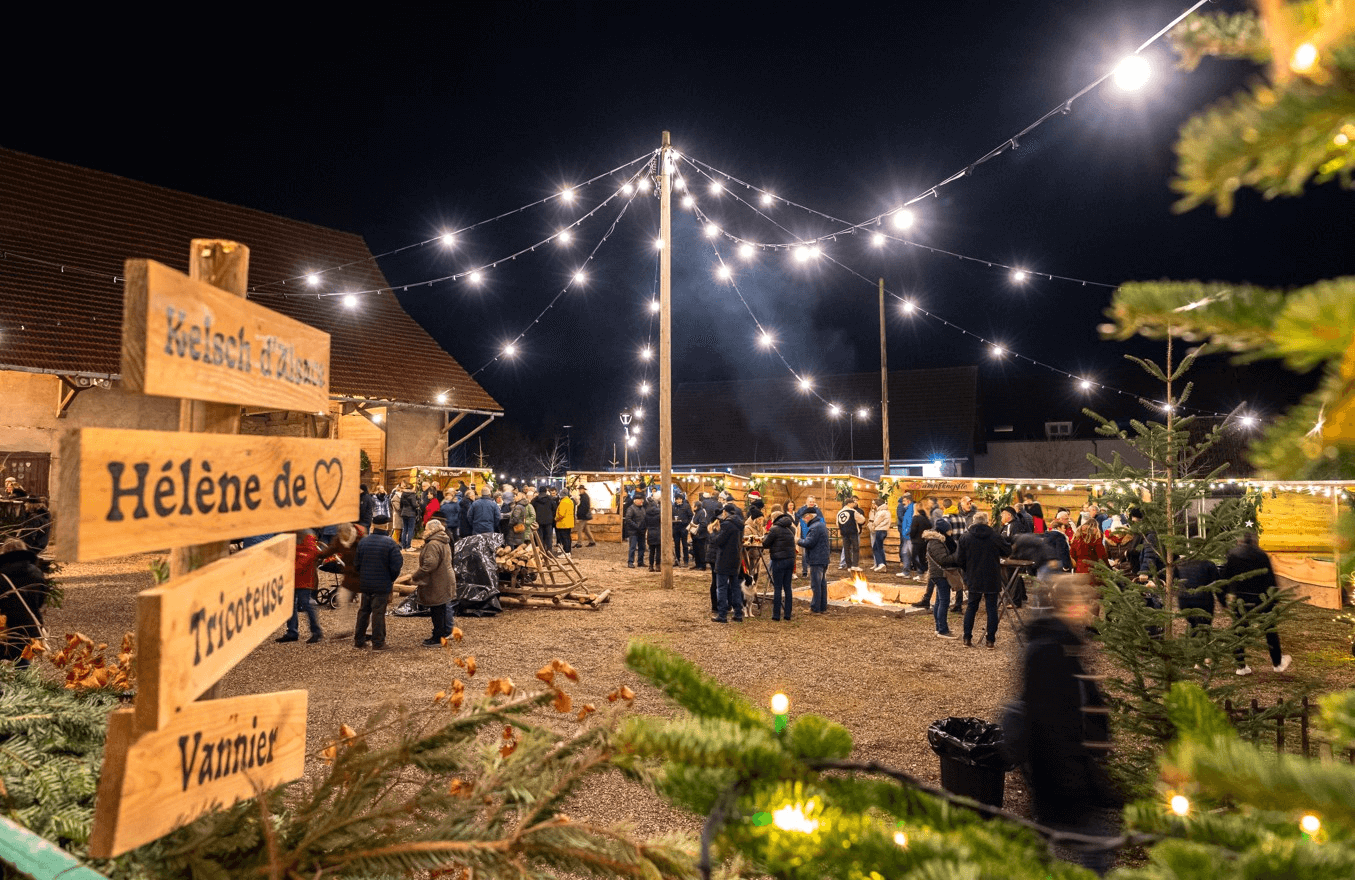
(194, 629)
(132, 491)
(186, 338)
(213, 754)
(1296, 521)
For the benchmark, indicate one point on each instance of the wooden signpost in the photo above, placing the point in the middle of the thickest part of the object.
(185, 338)
(172, 757)
(131, 491)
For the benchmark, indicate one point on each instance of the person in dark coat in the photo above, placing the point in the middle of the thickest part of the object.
(451, 514)
(779, 542)
(939, 558)
(653, 526)
(1195, 592)
(980, 555)
(23, 592)
(37, 524)
(378, 562)
(483, 514)
(702, 513)
(633, 531)
(727, 541)
(545, 519)
(411, 511)
(682, 517)
(1253, 592)
(811, 503)
(815, 541)
(1066, 723)
(584, 514)
(921, 523)
(366, 507)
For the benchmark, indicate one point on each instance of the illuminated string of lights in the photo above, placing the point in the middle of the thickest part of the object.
(579, 277)
(1130, 73)
(475, 275)
(449, 237)
(879, 238)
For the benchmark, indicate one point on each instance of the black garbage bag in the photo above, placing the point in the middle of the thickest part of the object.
(972, 764)
(970, 741)
(477, 575)
(410, 607)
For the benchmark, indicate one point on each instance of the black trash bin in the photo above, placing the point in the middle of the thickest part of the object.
(972, 765)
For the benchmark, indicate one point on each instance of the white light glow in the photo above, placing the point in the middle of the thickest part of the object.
(801, 253)
(908, 306)
(565, 236)
(765, 339)
(313, 279)
(746, 251)
(350, 301)
(901, 839)
(998, 351)
(806, 383)
(712, 230)
(644, 389)
(878, 239)
(780, 704)
(510, 349)
(442, 398)
(378, 418)
(1305, 58)
(1085, 384)
(688, 201)
(1180, 805)
(658, 244)
(630, 441)
(814, 252)
(1019, 275)
(1132, 73)
(580, 277)
(1310, 824)
(639, 413)
(862, 413)
(646, 353)
(716, 188)
(653, 305)
(767, 199)
(1248, 421)
(476, 277)
(793, 818)
(724, 271)
(903, 219)
(680, 184)
(448, 239)
(834, 410)
(628, 188)
(567, 195)
(644, 184)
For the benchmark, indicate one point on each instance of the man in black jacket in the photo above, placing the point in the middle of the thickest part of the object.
(980, 555)
(727, 541)
(779, 542)
(544, 508)
(682, 517)
(1254, 592)
(633, 531)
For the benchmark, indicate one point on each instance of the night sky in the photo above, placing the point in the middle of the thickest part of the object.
(397, 125)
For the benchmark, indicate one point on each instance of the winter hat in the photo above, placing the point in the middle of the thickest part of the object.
(755, 494)
(942, 526)
(432, 527)
(732, 509)
(1010, 510)
(381, 520)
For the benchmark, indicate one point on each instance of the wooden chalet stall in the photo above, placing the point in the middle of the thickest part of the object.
(441, 477)
(606, 488)
(793, 490)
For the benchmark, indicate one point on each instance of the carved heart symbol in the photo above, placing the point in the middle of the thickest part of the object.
(328, 481)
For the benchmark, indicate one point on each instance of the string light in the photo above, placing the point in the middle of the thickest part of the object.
(1180, 805)
(448, 239)
(878, 239)
(746, 251)
(765, 339)
(510, 349)
(998, 351)
(350, 301)
(792, 818)
(724, 271)
(1310, 824)
(780, 704)
(567, 196)
(476, 277)
(688, 202)
(628, 188)
(1132, 73)
(712, 230)
(653, 305)
(646, 353)
(903, 219)
(1084, 384)
(768, 199)
(907, 306)
(658, 244)
(442, 397)
(563, 236)
(580, 277)
(1020, 275)
(644, 389)
(1304, 59)
(716, 187)
(834, 410)
(806, 383)
(313, 280)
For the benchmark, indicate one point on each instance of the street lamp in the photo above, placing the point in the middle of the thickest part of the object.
(625, 424)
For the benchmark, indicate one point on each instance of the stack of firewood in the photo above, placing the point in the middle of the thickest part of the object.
(515, 558)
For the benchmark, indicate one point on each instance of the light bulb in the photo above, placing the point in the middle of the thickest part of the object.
(806, 383)
(628, 188)
(903, 219)
(564, 237)
(878, 239)
(712, 230)
(801, 254)
(476, 277)
(644, 184)
(580, 277)
(780, 704)
(767, 199)
(1305, 58)
(448, 239)
(646, 353)
(901, 839)
(1248, 421)
(644, 388)
(654, 305)
(998, 351)
(1310, 824)
(834, 410)
(312, 279)
(1180, 805)
(814, 252)
(510, 349)
(908, 306)
(724, 271)
(350, 301)
(1019, 275)
(658, 244)
(716, 188)
(567, 195)
(765, 339)
(746, 251)
(680, 183)
(688, 201)
(862, 413)
(442, 398)
(1132, 73)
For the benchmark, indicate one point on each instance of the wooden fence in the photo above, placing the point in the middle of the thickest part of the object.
(1282, 721)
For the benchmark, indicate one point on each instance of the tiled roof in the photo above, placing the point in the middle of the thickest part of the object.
(70, 321)
(932, 413)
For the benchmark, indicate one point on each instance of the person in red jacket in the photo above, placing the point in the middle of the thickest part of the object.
(1088, 547)
(307, 556)
(433, 506)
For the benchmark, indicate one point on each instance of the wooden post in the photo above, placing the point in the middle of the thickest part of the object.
(884, 383)
(223, 264)
(666, 363)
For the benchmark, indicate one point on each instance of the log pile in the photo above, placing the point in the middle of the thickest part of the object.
(520, 558)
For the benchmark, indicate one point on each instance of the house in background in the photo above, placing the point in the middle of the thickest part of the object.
(64, 234)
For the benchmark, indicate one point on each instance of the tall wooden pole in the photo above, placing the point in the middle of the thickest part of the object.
(884, 382)
(666, 362)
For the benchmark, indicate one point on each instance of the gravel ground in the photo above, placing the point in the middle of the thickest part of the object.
(885, 678)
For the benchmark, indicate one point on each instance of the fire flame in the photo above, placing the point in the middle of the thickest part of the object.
(864, 593)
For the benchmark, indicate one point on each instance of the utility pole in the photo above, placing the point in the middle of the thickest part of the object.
(884, 382)
(666, 362)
